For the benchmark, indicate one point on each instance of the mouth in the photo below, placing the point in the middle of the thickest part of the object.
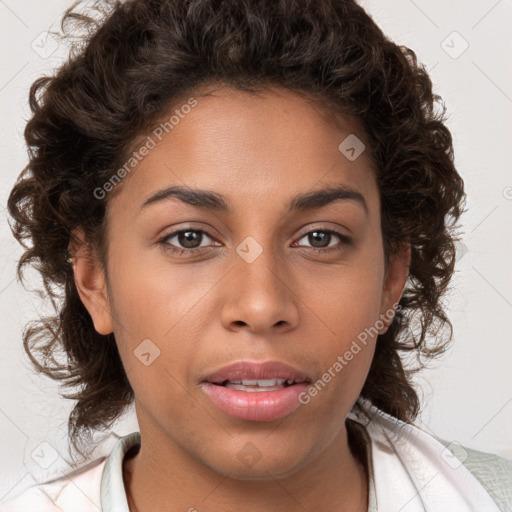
(256, 391)
(257, 385)
(251, 374)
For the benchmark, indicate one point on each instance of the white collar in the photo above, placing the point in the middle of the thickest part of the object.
(411, 471)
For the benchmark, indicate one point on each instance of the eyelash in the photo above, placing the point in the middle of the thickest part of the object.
(345, 241)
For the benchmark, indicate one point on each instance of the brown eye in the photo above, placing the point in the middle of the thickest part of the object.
(185, 241)
(189, 239)
(320, 240)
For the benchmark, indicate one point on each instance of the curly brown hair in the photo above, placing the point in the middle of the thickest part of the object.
(131, 64)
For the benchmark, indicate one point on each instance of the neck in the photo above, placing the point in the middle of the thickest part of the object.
(335, 481)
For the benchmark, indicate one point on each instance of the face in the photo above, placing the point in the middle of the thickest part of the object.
(191, 288)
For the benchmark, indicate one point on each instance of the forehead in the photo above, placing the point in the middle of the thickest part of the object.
(266, 146)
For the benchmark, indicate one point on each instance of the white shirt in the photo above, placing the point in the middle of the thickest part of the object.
(409, 471)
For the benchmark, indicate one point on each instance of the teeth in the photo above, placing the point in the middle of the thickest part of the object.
(255, 385)
(260, 382)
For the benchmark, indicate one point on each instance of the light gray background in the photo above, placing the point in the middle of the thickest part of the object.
(467, 395)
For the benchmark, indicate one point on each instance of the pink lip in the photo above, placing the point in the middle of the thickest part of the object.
(259, 405)
(256, 406)
(256, 370)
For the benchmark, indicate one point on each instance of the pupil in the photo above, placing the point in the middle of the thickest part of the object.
(321, 236)
(189, 239)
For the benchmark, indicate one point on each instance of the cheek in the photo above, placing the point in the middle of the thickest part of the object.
(346, 303)
(347, 298)
(169, 306)
(151, 295)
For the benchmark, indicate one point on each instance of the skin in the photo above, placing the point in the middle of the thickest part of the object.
(207, 310)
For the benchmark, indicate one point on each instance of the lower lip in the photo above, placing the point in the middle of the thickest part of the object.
(257, 405)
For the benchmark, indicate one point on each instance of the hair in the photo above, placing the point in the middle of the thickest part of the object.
(135, 60)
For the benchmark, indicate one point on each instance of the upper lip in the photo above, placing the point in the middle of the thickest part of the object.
(256, 370)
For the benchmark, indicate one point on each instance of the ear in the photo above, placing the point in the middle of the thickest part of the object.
(395, 278)
(90, 282)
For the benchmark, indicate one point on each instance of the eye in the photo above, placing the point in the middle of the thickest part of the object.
(188, 239)
(321, 240)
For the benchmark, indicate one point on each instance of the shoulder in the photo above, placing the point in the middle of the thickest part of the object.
(78, 491)
(492, 471)
(439, 471)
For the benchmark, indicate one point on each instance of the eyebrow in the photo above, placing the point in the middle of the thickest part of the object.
(211, 200)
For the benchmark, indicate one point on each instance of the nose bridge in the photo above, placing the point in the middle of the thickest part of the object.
(258, 294)
(257, 263)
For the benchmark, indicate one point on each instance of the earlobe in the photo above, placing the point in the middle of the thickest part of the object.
(395, 278)
(90, 282)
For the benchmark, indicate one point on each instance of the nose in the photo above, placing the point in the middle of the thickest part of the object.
(259, 293)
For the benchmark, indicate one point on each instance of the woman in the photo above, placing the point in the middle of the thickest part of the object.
(246, 204)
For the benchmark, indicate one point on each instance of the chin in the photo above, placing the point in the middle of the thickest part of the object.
(251, 465)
